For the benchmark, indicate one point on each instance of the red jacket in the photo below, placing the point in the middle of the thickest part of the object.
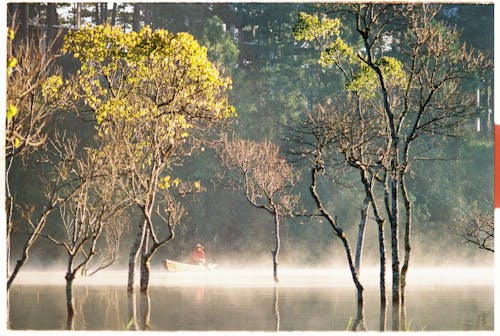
(198, 256)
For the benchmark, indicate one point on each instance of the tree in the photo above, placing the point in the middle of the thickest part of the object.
(153, 94)
(475, 227)
(417, 90)
(265, 178)
(32, 83)
(91, 207)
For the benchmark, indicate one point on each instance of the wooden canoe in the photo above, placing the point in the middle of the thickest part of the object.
(175, 266)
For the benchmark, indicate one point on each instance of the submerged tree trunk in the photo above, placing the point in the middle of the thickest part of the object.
(70, 307)
(338, 232)
(276, 250)
(368, 184)
(134, 254)
(145, 267)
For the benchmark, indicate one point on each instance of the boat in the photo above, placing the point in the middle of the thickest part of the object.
(176, 266)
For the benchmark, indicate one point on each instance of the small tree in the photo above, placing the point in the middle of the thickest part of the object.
(476, 227)
(85, 215)
(265, 178)
(32, 80)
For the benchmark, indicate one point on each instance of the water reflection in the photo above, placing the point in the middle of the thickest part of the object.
(132, 312)
(145, 311)
(200, 307)
(276, 307)
(383, 318)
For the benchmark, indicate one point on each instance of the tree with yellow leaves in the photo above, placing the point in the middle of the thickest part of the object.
(153, 95)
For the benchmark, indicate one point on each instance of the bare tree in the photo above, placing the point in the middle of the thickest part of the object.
(32, 80)
(476, 227)
(60, 188)
(265, 178)
(91, 208)
(314, 138)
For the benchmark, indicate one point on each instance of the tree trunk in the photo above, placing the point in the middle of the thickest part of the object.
(27, 248)
(51, 22)
(276, 250)
(407, 234)
(338, 232)
(381, 236)
(70, 307)
(361, 233)
(136, 23)
(104, 12)
(396, 279)
(22, 19)
(134, 254)
(97, 17)
(113, 14)
(145, 267)
(78, 15)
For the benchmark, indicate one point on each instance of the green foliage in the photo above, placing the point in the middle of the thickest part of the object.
(360, 77)
(313, 27)
(221, 47)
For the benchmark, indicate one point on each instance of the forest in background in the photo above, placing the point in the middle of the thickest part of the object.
(275, 78)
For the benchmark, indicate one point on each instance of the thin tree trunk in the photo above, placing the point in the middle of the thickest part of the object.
(381, 236)
(339, 233)
(134, 254)
(396, 278)
(361, 233)
(104, 12)
(9, 208)
(136, 23)
(51, 22)
(23, 17)
(97, 17)
(113, 14)
(145, 267)
(276, 250)
(78, 15)
(27, 248)
(407, 234)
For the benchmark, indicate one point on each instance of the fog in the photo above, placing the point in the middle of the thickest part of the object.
(262, 277)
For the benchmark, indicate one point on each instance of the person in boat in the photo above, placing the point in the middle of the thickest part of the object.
(198, 255)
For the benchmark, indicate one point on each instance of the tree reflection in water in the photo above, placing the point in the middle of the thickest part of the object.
(276, 307)
(145, 310)
(132, 312)
(383, 316)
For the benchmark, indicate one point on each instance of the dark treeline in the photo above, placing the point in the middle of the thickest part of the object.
(275, 80)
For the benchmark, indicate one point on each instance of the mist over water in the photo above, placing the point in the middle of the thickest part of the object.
(229, 299)
(262, 277)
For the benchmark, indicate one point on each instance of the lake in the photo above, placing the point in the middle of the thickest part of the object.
(246, 300)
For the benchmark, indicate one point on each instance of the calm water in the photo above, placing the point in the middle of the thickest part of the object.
(304, 300)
